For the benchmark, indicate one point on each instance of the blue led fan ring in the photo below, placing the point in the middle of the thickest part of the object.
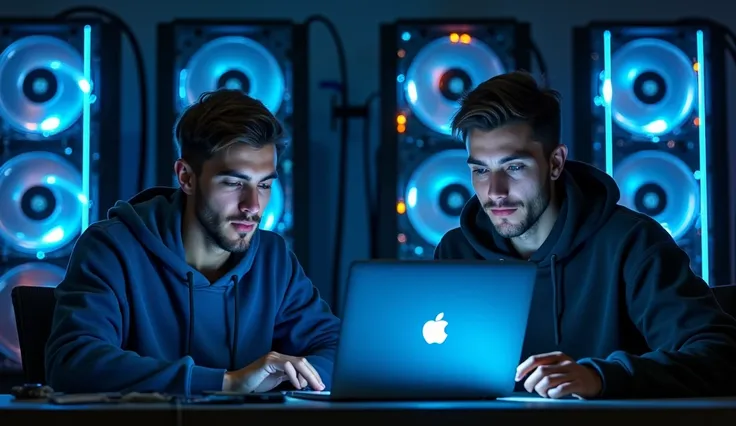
(439, 176)
(661, 185)
(48, 202)
(653, 86)
(241, 60)
(440, 65)
(53, 89)
(274, 211)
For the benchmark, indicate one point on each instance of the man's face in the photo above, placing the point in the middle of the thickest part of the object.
(232, 192)
(511, 177)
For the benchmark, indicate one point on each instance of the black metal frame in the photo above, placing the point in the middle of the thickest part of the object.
(110, 58)
(387, 221)
(722, 255)
(106, 123)
(166, 153)
(109, 168)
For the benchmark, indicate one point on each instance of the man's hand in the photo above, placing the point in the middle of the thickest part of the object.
(270, 371)
(555, 375)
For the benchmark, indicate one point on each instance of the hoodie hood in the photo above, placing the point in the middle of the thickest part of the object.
(154, 217)
(590, 197)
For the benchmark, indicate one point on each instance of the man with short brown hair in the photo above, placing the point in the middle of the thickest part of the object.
(617, 312)
(179, 291)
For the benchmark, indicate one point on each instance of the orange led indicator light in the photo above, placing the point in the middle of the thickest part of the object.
(400, 207)
(460, 38)
(401, 123)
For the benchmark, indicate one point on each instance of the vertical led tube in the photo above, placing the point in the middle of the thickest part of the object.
(703, 148)
(86, 148)
(608, 101)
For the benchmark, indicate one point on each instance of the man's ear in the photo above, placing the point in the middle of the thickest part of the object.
(185, 176)
(557, 160)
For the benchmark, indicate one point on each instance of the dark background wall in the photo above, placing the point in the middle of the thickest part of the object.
(358, 23)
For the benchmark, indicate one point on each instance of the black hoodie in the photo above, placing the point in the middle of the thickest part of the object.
(615, 292)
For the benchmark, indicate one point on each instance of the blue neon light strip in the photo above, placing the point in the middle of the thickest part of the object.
(86, 149)
(608, 101)
(703, 145)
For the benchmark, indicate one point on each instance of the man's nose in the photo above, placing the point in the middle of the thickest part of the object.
(499, 186)
(249, 202)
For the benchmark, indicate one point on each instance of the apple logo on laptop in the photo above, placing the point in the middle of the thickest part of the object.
(434, 330)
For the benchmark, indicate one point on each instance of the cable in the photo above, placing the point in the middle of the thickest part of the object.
(370, 195)
(342, 152)
(140, 69)
(541, 63)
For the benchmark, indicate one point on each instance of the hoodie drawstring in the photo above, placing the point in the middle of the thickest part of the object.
(234, 345)
(190, 334)
(556, 299)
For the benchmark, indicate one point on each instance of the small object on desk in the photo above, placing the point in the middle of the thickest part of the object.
(107, 398)
(262, 397)
(81, 398)
(31, 391)
(214, 399)
(137, 397)
(311, 395)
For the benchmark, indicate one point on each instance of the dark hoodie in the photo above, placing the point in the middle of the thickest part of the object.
(132, 315)
(615, 292)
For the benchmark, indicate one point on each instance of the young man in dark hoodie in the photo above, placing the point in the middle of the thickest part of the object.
(617, 311)
(179, 291)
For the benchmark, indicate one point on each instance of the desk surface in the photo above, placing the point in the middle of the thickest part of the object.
(519, 409)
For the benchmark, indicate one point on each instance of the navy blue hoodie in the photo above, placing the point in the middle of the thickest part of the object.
(132, 315)
(615, 292)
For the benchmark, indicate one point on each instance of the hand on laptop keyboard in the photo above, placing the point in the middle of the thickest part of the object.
(270, 371)
(555, 375)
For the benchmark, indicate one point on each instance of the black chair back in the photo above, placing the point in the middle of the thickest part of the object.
(34, 313)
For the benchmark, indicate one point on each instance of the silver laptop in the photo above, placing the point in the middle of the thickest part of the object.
(431, 330)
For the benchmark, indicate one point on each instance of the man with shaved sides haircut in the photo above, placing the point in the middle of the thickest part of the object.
(617, 312)
(179, 291)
